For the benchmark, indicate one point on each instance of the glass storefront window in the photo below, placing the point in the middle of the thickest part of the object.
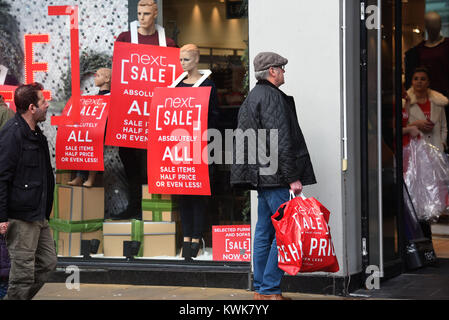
(221, 33)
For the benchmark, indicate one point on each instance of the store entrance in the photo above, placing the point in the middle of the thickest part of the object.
(393, 228)
(419, 39)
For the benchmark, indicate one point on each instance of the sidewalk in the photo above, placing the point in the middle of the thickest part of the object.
(58, 291)
(424, 283)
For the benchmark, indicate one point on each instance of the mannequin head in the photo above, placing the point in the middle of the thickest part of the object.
(190, 57)
(146, 14)
(433, 24)
(103, 78)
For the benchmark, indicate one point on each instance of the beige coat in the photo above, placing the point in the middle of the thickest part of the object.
(5, 113)
(437, 116)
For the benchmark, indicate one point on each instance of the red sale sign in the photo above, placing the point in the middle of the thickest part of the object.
(177, 125)
(231, 243)
(8, 96)
(80, 147)
(137, 70)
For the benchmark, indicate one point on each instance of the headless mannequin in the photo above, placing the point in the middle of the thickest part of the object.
(103, 82)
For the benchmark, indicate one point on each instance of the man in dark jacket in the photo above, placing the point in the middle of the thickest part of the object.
(26, 194)
(268, 108)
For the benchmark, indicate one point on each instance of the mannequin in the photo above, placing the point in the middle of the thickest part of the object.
(432, 54)
(147, 11)
(102, 80)
(193, 208)
(135, 160)
(433, 27)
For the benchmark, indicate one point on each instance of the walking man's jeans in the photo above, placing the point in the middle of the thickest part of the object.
(33, 257)
(267, 275)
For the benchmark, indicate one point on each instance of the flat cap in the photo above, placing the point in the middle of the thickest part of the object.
(265, 60)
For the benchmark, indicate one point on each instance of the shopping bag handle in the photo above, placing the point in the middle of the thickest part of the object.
(293, 195)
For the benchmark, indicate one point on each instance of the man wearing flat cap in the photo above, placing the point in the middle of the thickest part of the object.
(267, 107)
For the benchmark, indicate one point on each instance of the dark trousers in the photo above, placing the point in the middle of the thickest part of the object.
(193, 215)
(33, 257)
(135, 165)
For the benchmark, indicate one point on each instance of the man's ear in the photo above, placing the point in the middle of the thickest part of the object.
(31, 108)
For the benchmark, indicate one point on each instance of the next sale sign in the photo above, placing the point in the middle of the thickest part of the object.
(231, 243)
(178, 123)
(80, 147)
(137, 70)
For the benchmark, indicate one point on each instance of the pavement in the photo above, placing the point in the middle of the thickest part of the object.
(59, 291)
(425, 283)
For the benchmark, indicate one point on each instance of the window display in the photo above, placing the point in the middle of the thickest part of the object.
(158, 222)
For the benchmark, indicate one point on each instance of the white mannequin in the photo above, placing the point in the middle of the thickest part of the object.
(190, 57)
(147, 11)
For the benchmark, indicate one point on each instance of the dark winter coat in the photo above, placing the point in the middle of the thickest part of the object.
(26, 176)
(267, 107)
(5, 264)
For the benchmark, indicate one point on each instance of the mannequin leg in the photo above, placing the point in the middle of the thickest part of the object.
(199, 205)
(78, 181)
(185, 210)
(91, 179)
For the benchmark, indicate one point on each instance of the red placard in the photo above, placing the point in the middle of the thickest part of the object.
(71, 11)
(231, 243)
(177, 124)
(137, 69)
(80, 147)
(8, 95)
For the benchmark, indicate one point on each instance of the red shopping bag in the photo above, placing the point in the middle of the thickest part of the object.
(303, 237)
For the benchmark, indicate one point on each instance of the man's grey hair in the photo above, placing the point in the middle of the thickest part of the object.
(262, 75)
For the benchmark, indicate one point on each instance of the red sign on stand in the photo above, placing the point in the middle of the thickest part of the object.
(8, 96)
(231, 243)
(177, 124)
(80, 147)
(137, 70)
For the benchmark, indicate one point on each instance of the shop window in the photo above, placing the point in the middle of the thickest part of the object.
(220, 31)
(222, 40)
